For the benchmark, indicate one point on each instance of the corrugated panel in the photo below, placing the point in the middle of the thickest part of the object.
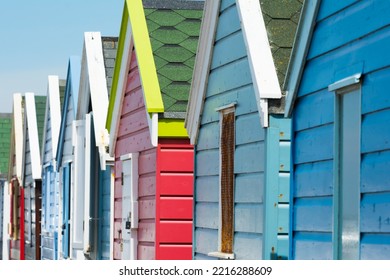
(174, 199)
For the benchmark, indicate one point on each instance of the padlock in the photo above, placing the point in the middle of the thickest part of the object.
(128, 225)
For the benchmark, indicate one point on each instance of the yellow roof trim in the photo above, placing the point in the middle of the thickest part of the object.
(170, 128)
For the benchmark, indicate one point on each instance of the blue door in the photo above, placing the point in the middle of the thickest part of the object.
(66, 211)
(104, 214)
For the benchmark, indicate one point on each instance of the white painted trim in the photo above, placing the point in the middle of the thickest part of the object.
(202, 68)
(231, 105)
(153, 128)
(87, 183)
(121, 89)
(55, 110)
(31, 118)
(261, 62)
(221, 255)
(299, 52)
(112, 217)
(263, 111)
(19, 135)
(6, 215)
(348, 81)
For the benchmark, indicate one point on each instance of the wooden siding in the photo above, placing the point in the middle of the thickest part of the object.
(104, 214)
(174, 200)
(134, 136)
(230, 81)
(359, 46)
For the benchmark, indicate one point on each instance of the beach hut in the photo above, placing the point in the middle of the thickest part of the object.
(16, 220)
(5, 139)
(153, 191)
(50, 177)
(338, 98)
(242, 140)
(31, 174)
(66, 164)
(97, 65)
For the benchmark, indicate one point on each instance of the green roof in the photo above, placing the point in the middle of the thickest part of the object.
(5, 142)
(174, 34)
(281, 20)
(40, 108)
(62, 84)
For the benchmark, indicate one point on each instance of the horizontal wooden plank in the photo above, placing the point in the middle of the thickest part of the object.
(132, 123)
(147, 208)
(249, 158)
(207, 189)
(249, 188)
(176, 184)
(330, 7)
(249, 217)
(226, 4)
(206, 240)
(206, 215)
(320, 72)
(208, 136)
(147, 185)
(319, 104)
(133, 80)
(313, 145)
(174, 252)
(228, 50)
(313, 214)
(133, 143)
(375, 175)
(248, 246)
(375, 213)
(147, 161)
(375, 247)
(232, 76)
(312, 246)
(207, 163)
(351, 24)
(175, 232)
(373, 92)
(175, 207)
(249, 129)
(376, 132)
(117, 251)
(176, 160)
(146, 252)
(313, 179)
(146, 231)
(133, 101)
(228, 22)
(244, 96)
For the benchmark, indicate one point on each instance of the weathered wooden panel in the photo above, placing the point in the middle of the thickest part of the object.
(207, 163)
(312, 246)
(174, 252)
(132, 122)
(247, 158)
(146, 231)
(147, 185)
(249, 188)
(248, 129)
(376, 132)
(318, 104)
(206, 215)
(245, 96)
(307, 143)
(228, 50)
(133, 80)
(228, 21)
(313, 179)
(313, 214)
(349, 25)
(134, 143)
(226, 4)
(226, 78)
(375, 247)
(375, 175)
(330, 7)
(147, 208)
(207, 189)
(206, 240)
(175, 232)
(147, 162)
(133, 101)
(208, 137)
(175, 207)
(177, 183)
(319, 72)
(146, 252)
(245, 215)
(244, 241)
(374, 90)
(375, 213)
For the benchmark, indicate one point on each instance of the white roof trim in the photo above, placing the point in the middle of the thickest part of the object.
(93, 84)
(348, 81)
(31, 123)
(121, 88)
(299, 52)
(202, 68)
(19, 135)
(261, 62)
(53, 107)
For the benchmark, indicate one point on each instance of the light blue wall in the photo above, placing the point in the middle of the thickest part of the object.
(230, 81)
(359, 42)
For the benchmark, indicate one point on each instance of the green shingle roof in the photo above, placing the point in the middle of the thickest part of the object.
(5, 143)
(40, 108)
(281, 19)
(174, 33)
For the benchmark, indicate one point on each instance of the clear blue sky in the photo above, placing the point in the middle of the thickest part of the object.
(38, 37)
